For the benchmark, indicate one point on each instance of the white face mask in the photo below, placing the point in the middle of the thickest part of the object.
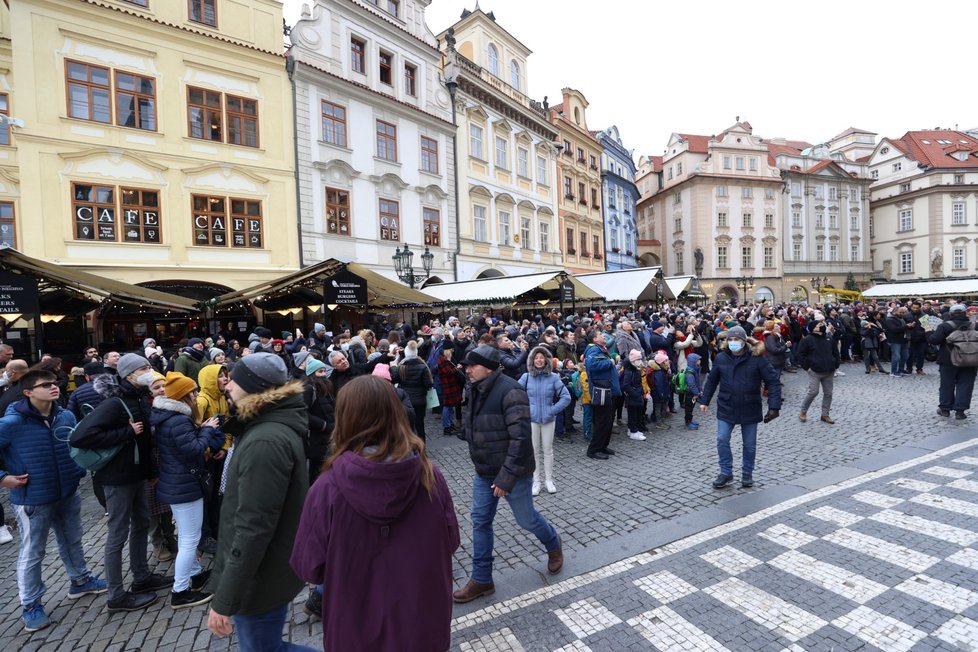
(735, 345)
(145, 379)
(345, 346)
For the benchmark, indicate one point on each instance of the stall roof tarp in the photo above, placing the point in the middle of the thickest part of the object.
(381, 290)
(676, 285)
(92, 284)
(625, 284)
(923, 289)
(505, 289)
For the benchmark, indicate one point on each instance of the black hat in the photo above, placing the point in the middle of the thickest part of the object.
(484, 355)
(94, 368)
(261, 331)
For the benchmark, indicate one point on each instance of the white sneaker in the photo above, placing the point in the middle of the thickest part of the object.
(536, 488)
(839, 373)
(637, 436)
(5, 536)
(551, 487)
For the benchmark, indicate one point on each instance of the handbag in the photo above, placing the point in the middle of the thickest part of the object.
(431, 399)
(205, 480)
(95, 459)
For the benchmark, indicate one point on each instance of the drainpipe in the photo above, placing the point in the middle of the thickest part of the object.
(290, 64)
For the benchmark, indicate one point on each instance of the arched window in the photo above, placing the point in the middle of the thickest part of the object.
(514, 74)
(493, 60)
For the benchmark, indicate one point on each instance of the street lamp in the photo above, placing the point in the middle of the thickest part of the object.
(745, 283)
(819, 283)
(403, 265)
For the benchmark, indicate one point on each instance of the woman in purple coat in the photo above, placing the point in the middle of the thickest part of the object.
(378, 530)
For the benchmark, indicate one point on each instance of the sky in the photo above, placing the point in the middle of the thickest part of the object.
(802, 71)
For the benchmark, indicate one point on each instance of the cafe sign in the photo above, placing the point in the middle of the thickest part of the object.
(18, 294)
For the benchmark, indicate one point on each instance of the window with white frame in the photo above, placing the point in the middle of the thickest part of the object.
(854, 252)
(614, 239)
(957, 213)
(722, 219)
(796, 251)
(769, 193)
(906, 219)
(854, 222)
(769, 220)
(678, 224)
(679, 168)
(721, 191)
(958, 258)
(875, 174)
(502, 153)
(752, 164)
(747, 193)
(522, 162)
(769, 256)
(833, 221)
(544, 237)
(739, 161)
(514, 74)
(906, 262)
(795, 189)
(748, 219)
(475, 142)
(796, 219)
(897, 167)
(481, 231)
(493, 60)
(542, 171)
(746, 256)
(504, 225)
(819, 220)
(833, 252)
(819, 252)
(833, 193)
(680, 263)
(818, 192)
(958, 178)
(525, 239)
(726, 162)
(904, 187)
(677, 199)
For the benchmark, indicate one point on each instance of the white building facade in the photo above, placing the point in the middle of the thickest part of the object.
(375, 135)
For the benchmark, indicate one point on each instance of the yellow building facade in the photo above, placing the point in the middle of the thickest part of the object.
(152, 140)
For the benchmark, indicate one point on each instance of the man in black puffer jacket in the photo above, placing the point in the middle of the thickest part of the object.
(497, 429)
(819, 356)
(957, 383)
(123, 418)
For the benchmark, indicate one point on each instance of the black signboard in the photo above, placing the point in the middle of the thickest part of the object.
(567, 291)
(345, 289)
(18, 294)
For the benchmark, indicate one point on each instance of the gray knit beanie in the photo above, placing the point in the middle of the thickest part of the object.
(129, 363)
(259, 371)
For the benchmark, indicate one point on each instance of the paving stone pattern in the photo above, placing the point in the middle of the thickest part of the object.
(885, 561)
(597, 502)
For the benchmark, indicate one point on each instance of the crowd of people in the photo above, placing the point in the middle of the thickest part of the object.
(303, 459)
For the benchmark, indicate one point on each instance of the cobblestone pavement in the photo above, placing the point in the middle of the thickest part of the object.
(603, 510)
(885, 561)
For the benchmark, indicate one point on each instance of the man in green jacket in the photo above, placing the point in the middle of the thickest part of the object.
(265, 485)
(191, 359)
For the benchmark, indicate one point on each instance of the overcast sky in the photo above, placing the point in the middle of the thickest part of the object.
(804, 71)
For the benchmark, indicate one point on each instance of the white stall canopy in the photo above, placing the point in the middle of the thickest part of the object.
(676, 285)
(625, 285)
(541, 288)
(924, 289)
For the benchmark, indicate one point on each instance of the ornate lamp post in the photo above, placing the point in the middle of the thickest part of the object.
(745, 283)
(403, 265)
(819, 283)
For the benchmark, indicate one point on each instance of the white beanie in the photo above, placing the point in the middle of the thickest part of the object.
(411, 350)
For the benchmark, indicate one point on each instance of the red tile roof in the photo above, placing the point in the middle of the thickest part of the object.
(656, 163)
(926, 148)
(799, 144)
(773, 149)
(697, 144)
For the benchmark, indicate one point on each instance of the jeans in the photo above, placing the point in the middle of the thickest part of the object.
(128, 519)
(586, 421)
(898, 356)
(815, 380)
(915, 356)
(34, 523)
(543, 449)
(871, 358)
(749, 433)
(484, 505)
(447, 416)
(263, 633)
(188, 516)
(602, 417)
(957, 384)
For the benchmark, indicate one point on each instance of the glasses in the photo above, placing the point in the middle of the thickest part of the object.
(47, 385)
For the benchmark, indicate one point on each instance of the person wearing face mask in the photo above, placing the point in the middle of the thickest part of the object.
(820, 358)
(738, 371)
(123, 418)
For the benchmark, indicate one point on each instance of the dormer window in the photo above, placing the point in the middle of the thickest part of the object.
(493, 60)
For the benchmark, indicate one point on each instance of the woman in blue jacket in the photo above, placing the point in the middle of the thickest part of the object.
(182, 441)
(548, 397)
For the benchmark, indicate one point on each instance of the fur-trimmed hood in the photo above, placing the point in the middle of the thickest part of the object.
(171, 405)
(548, 368)
(756, 346)
(253, 405)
